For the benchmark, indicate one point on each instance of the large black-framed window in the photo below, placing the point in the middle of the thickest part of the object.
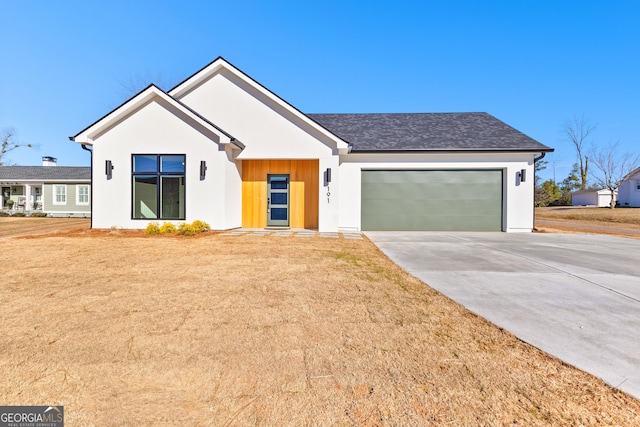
(158, 188)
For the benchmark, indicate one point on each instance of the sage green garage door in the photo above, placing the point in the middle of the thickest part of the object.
(435, 200)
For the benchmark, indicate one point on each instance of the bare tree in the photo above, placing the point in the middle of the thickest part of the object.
(613, 167)
(131, 84)
(577, 132)
(7, 135)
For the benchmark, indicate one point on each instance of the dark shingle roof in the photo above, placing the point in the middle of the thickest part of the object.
(45, 173)
(427, 132)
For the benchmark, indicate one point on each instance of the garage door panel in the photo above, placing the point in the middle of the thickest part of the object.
(469, 200)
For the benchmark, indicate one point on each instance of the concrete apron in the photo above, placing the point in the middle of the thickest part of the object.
(574, 296)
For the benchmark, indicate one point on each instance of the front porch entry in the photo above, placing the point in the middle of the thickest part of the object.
(299, 200)
(23, 197)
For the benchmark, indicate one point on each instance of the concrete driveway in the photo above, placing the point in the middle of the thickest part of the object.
(574, 296)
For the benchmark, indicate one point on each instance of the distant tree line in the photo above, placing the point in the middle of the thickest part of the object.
(611, 165)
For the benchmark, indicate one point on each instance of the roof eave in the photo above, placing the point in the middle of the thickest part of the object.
(454, 150)
(86, 136)
(83, 137)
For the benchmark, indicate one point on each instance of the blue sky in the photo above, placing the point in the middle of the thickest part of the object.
(533, 64)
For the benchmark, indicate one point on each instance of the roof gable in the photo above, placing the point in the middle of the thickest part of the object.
(221, 67)
(428, 132)
(147, 95)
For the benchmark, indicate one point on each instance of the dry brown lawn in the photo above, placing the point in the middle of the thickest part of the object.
(17, 226)
(628, 216)
(620, 221)
(220, 330)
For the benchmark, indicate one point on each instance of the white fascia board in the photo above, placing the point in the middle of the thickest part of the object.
(199, 77)
(87, 136)
(194, 81)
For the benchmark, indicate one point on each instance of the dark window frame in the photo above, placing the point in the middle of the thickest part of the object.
(159, 174)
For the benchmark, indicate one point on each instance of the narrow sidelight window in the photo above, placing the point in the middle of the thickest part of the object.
(158, 186)
(59, 194)
(82, 194)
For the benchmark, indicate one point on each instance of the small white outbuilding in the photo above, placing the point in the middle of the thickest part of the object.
(600, 198)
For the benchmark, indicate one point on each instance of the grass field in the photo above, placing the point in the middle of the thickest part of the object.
(627, 216)
(624, 222)
(124, 329)
(21, 226)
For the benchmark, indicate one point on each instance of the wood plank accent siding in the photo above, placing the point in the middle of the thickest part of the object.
(303, 192)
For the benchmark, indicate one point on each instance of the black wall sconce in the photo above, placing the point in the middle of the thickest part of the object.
(521, 175)
(327, 176)
(203, 169)
(108, 167)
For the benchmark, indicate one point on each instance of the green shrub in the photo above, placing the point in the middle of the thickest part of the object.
(167, 227)
(38, 214)
(3, 213)
(18, 214)
(152, 228)
(186, 229)
(200, 226)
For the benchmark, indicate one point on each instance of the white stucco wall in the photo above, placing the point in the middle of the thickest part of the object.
(157, 128)
(517, 196)
(233, 190)
(329, 193)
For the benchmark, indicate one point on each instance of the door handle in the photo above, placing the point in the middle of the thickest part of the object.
(268, 204)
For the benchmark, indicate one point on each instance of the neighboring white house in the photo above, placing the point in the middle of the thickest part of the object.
(600, 198)
(54, 190)
(629, 190)
(222, 148)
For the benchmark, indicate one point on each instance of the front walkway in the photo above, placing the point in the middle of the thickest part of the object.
(292, 232)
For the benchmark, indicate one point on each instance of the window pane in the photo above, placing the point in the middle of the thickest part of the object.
(145, 163)
(279, 213)
(278, 198)
(172, 164)
(61, 194)
(172, 197)
(145, 190)
(83, 194)
(278, 182)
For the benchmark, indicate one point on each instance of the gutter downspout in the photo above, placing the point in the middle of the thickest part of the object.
(84, 147)
(535, 159)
